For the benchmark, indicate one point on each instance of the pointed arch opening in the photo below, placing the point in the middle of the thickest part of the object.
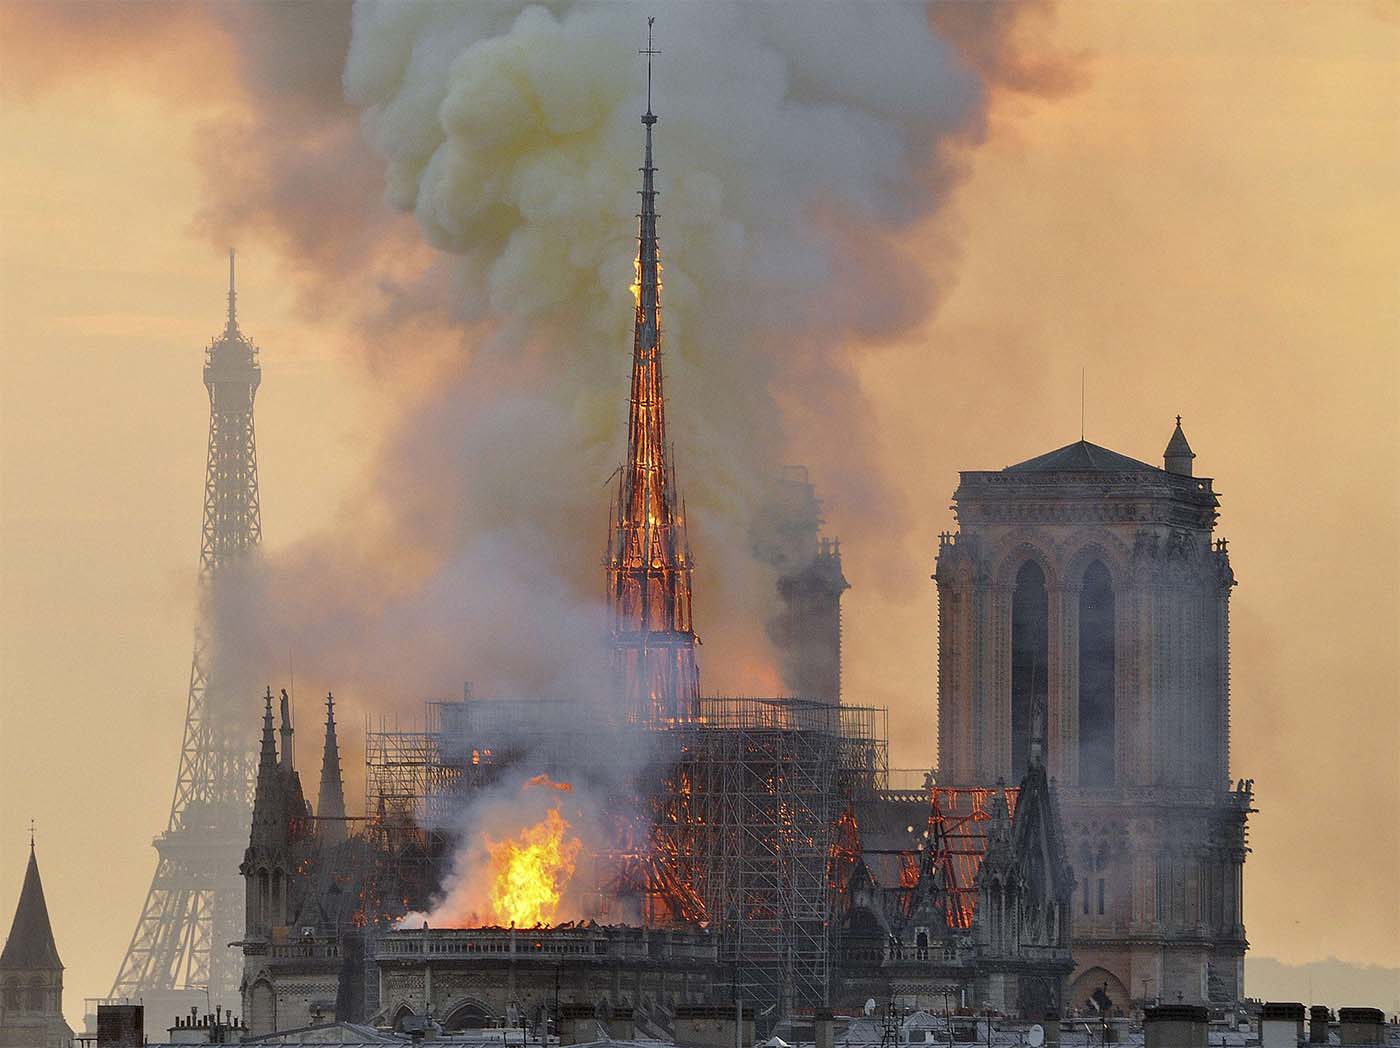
(1030, 656)
(469, 1015)
(1096, 678)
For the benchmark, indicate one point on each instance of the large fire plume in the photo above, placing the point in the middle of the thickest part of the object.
(514, 861)
(531, 871)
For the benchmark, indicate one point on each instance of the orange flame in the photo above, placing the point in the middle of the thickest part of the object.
(544, 780)
(532, 870)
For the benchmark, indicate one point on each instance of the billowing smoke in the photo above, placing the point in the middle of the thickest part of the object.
(794, 144)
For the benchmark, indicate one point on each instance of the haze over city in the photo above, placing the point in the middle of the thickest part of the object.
(1103, 218)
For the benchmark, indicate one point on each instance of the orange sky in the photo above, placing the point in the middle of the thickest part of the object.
(1207, 225)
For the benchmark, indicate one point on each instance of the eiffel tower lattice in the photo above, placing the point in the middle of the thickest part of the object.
(179, 954)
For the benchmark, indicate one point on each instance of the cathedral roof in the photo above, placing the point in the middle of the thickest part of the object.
(31, 944)
(1082, 456)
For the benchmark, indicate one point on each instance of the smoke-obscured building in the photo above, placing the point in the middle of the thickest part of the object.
(806, 631)
(1085, 592)
(744, 848)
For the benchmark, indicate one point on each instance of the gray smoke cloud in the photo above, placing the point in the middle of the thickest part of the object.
(796, 144)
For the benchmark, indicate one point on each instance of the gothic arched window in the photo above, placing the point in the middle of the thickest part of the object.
(1030, 675)
(1096, 677)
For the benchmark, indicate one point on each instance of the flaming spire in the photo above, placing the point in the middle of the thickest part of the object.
(648, 559)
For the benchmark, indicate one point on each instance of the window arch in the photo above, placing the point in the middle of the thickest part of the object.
(262, 1008)
(1030, 674)
(1096, 677)
(469, 1015)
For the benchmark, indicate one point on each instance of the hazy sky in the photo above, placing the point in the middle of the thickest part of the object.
(1206, 223)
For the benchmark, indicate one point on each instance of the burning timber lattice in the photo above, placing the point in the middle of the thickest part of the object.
(737, 833)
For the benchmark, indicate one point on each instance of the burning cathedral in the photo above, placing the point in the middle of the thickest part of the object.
(1077, 843)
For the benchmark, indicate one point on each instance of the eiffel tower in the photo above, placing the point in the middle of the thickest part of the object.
(179, 954)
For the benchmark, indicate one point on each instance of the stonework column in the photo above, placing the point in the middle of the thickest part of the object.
(994, 756)
(1062, 729)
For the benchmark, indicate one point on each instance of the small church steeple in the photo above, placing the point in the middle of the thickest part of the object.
(330, 801)
(1177, 458)
(30, 945)
(31, 974)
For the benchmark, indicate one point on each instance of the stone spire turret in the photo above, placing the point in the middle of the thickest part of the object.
(1177, 458)
(277, 841)
(330, 801)
(286, 732)
(31, 1008)
(267, 757)
(30, 945)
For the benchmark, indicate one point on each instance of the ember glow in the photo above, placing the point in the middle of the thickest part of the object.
(531, 871)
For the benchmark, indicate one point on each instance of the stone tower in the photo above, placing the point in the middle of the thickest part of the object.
(31, 975)
(1084, 587)
(330, 801)
(786, 534)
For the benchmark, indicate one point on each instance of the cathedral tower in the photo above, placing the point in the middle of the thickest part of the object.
(648, 560)
(31, 975)
(1084, 587)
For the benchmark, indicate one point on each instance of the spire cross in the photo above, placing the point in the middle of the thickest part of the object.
(31, 835)
(1178, 420)
(649, 51)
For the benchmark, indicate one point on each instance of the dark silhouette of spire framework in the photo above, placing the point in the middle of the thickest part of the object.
(648, 560)
(193, 910)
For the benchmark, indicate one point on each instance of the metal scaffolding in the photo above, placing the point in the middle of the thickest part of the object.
(749, 821)
(731, 821)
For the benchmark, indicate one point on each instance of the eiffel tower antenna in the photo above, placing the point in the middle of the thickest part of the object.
(179, 953)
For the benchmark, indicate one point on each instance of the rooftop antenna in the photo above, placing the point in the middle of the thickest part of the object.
(649, 52)
(232, 320)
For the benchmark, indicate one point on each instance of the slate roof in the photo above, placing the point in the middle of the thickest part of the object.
(30, 945)
(1082, 456)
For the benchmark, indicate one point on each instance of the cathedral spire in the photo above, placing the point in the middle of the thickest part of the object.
(267, 756)
(285, 731)
(330, 802)
(31, 946)
(648, 561)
